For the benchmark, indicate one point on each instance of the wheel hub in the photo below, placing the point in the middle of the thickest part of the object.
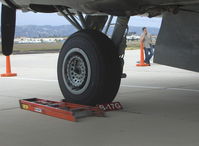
(76, 71)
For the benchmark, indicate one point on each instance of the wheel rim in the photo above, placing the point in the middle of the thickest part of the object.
(76, 71)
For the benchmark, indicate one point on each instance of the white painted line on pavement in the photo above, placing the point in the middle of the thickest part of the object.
(32, 79)
(146, 87)
(163, 88)
(181, 89)
(128, 86)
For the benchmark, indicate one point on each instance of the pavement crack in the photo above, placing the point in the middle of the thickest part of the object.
(8, 109)
(131, 112)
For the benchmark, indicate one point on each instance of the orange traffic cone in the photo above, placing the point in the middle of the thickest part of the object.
(8, 69)
(142, 63)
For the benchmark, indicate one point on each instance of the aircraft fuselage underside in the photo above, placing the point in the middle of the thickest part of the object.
(112, 7)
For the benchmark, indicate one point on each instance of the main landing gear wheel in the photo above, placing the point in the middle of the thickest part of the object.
(89, 68)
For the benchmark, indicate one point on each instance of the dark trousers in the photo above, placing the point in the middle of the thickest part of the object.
(148, 54)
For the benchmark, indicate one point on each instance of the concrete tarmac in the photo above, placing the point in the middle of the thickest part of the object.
(161, 107)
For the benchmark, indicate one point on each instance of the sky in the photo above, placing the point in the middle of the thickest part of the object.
(30, 18)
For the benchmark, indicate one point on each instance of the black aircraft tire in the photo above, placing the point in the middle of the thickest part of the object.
(89, 69)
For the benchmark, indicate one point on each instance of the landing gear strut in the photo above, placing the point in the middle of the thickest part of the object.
(89, 64)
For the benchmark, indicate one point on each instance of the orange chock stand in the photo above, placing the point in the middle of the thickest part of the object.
(142, 63)
(65, 110)
(62, 110)
(8, 69)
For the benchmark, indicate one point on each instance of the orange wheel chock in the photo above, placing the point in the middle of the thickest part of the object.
(8, 69)
(142, 63)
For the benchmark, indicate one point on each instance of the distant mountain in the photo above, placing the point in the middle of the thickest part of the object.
(44, 31)
(138, 30)
(64, 30)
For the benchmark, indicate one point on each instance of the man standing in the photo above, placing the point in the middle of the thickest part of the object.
(146, 39)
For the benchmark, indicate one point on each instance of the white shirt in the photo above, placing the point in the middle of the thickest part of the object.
(147, 40)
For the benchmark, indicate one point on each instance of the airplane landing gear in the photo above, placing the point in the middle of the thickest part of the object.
(89, 68)
(90, 64)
